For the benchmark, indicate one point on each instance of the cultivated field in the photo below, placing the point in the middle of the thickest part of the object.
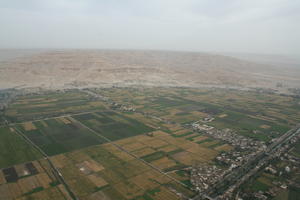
(49, 104)
(59, 135)
(107, 172)
(253, 114)
(112, 125)
(148, 157)
(31, 180)
(14, 150)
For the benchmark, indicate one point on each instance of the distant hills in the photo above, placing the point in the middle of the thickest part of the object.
(103, 68)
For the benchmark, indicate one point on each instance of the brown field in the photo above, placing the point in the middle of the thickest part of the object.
(224, 147)
(264, 126)
(168, 148)
(143, 152)
(120, 154)
(15, 190)
(143, 138)
(126, 141)
(99, 195)
(156, 143)
(199, 138)
(187, 158)
(124, 156)
(111, 176)
(12, 112)
(97, 180)
(48, 194)
(222, 115)
(145, 180)
(190, 135)
(173, 127)
(199, 114)
(93, 165)
(181, 132)
(78, 156)
(2, 179)
(185, 144)
(28, 184)
(5, 192)
(164, 163)
(207, 144)
(89, 166)
(203, 153)
(174, 111)
(59, 161)
(65, 120)
(38, 105)
(159, 133)
(128, 190)
(133, 146)
(38, 166)
(44, 179)
(96, 103)
(133, 168)
(81, 186)
(165, 142)
(172, 140)
(164, 194)
(28, 126)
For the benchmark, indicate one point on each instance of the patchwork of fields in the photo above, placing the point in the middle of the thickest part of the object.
(252, 114)
(106, 172)
(30, 107)
(31, 180)
(107, 154)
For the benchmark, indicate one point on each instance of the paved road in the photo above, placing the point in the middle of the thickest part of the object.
(238, 177)
(235, 176)
(55, 117)
(133, 155)
(270, 153)
(55, 171)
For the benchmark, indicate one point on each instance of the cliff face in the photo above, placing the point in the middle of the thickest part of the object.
(83, 68)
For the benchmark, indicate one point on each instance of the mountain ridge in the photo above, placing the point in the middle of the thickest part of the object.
(56, 69)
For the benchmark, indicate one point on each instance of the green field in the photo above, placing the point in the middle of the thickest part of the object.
(112, 125)
(14, 150)
(50, 104)
(92, 166)
(54, 137)
(252, 114)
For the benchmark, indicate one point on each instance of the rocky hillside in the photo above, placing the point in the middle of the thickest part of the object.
(101, 68)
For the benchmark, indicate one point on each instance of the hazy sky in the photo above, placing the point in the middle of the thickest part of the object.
(258, 26)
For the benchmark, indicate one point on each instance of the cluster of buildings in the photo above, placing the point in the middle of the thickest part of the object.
(114, 105)
(201, 127)
(288, 166)
(123, 107)
(234, 159)
(236, 140)
(203, 176)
